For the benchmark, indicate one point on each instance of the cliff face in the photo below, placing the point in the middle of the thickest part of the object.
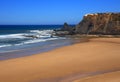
(100, 23)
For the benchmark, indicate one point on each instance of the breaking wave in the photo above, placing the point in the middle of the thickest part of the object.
(33, 36)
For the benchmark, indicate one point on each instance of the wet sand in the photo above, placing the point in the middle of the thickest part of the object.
(96, 60)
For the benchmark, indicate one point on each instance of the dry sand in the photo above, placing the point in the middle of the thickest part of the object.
(93, 61)
(107, 77)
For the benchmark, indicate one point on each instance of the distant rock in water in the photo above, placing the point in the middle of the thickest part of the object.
(66, 27)
(65, 30)
(99, 23)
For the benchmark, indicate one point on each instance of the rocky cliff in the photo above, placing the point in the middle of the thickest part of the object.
(99, 23)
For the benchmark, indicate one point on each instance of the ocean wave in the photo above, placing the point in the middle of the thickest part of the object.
(42, 33)
(29, 42)
(38, 40)
(8, 45)
(33, 36)
(12, 36)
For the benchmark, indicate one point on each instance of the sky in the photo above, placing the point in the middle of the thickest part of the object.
(37, 12)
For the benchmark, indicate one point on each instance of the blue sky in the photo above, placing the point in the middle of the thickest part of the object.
(52, 11)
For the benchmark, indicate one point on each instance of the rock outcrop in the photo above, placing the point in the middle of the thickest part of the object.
(66, 27)
(65, 30)
(100, 23)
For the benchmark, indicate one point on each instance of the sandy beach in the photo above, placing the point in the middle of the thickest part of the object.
(97, 60)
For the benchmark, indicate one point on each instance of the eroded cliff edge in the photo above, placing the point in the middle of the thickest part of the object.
(100, 23)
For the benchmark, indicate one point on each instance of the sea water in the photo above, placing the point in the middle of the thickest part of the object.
(24, 40)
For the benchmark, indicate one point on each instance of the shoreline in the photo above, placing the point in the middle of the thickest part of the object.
(96, 55)
(38, 49)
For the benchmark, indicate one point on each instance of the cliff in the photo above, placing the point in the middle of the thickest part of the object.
(99, 23)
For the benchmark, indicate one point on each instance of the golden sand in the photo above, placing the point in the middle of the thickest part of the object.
(68, 64)
(107, 77)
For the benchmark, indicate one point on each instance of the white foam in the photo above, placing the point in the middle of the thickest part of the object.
(42, 36)
(37, 33)
(1, 46)
(41, 33)
(12, 36)
(38, 40)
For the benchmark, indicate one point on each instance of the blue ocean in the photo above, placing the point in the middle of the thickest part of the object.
(24, 40)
